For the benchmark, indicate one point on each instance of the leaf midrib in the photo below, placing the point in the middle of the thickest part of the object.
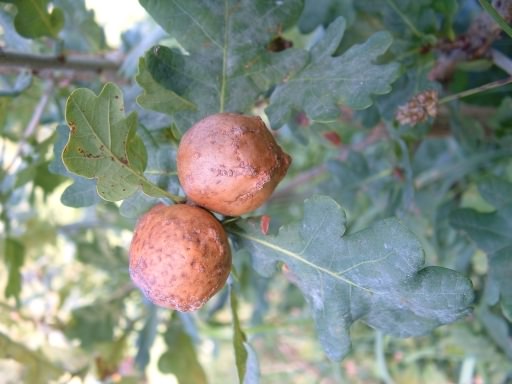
(301, 259)
(42, 15)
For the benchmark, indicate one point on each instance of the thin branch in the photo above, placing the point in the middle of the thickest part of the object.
(473, 91)
(305, 178)
(496, 16)
(63, 62)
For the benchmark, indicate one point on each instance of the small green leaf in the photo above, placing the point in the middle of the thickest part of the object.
(239, 339)
(33, 19)
(155, 96)
(327, 81)
(14, 253)
(103, 145)
(500, 272)
(376, 275)
(146, 337)
(491, 231)
(82, 193)
(94, 323)
(181, 358)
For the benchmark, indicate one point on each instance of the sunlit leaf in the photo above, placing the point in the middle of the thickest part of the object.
(103, 144)
(376, 275)
(146, 337)
(82, 193)
(34, 20)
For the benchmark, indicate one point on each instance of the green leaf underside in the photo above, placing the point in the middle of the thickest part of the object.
(103, 144)
(227, 65)
(33, 19)
(376, 275)
(326, 82)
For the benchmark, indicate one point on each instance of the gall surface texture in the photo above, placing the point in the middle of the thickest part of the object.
(179, 256)
(230, 163)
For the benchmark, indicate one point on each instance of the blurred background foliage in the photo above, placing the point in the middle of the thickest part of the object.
(68, 312)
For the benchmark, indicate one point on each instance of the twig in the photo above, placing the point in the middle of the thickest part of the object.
(64, 62)
(473, 44)
(305, 178)
(34, 120)
(496, 16)
(473, 91)
(382, 367)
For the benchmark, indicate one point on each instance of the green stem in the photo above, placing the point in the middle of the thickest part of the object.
(473, 91)
(381, 359)
(496, 16)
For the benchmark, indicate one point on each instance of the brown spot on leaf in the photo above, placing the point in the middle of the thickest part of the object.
(279, 44)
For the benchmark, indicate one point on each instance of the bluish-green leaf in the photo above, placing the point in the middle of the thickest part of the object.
(227, 65)
(82, 193)
(328, 81)
(376, 275)
(14, 256)
(146, 337)
(34, 20)
(491, 231)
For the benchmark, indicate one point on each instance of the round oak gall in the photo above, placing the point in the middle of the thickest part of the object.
(230, 163)
(179, 256)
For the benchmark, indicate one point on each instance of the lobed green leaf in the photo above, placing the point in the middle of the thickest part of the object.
(328, 81)
(226, 66)
(376, 275)
(492, 232)
(103, 144)
(34, 20)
